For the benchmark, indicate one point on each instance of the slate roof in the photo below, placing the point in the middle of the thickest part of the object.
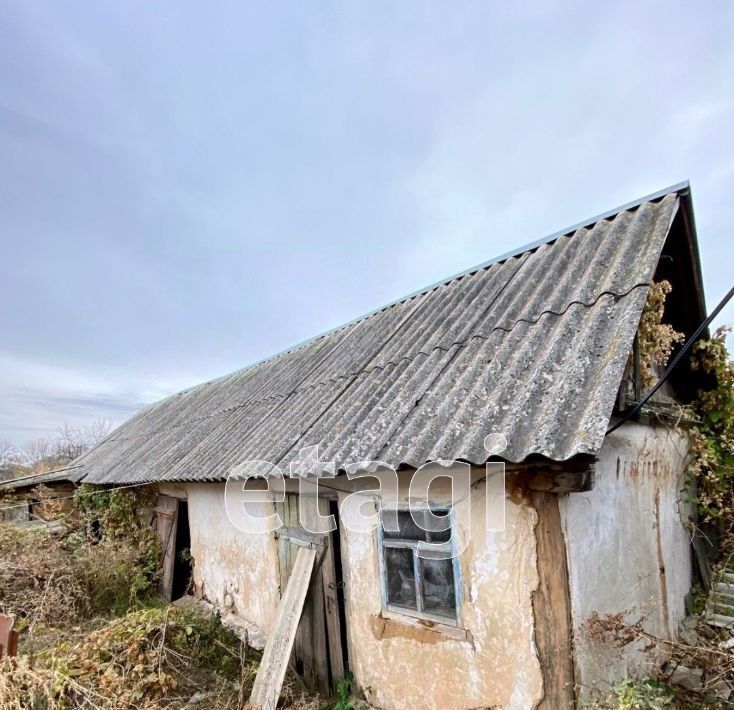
(532, 345)
(72, 474)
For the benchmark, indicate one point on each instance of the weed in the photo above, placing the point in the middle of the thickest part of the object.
(645, 694)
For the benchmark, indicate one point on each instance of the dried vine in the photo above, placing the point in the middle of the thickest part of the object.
(709, 419)
(656, 339)
(712, 437)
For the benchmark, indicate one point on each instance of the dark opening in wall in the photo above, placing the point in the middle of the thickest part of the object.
(182, 566)
(339, 575)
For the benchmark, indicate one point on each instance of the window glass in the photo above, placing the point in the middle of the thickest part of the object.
(419, 548)
(418, 525)
(400, 577)
(438, 587)
(408, 528)
(438, 523)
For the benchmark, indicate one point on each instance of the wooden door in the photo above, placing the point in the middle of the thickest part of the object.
(166, 513)
(318, 654)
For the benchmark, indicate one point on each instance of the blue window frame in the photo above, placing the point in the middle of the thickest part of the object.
(424, 585)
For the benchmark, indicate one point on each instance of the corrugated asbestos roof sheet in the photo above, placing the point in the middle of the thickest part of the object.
(73, 474)
(532, 346)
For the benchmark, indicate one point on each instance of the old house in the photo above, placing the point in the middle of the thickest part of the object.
(538, 345)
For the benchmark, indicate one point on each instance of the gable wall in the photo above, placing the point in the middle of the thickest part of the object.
(628, 550)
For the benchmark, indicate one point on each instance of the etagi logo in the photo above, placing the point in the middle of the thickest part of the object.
(437, 499)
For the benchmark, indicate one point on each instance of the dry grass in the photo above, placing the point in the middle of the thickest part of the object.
(52, 582)
(38, 580)
(25, 687)
(81, 647)
(703, 652)
(147, 660)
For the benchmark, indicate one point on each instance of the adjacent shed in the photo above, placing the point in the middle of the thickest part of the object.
(39, 496)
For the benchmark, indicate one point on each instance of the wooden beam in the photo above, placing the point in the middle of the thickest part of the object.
(701, 555)
(318, 636)
(552, 608)
(551, 480)
(269, 679)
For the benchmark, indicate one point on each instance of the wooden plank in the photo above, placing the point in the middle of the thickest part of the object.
(291, 519)
(310, 655)
(13, 643)
(282, 543)
(305, 639)
(269, 679)
(282, 563)
(552, 607)
(320, 653)
(331, 611)
(312, 631)
(300, 536)
(301, 645)
(167, 516)
(702, 560)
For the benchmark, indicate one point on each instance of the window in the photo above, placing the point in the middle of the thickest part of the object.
(422, 585)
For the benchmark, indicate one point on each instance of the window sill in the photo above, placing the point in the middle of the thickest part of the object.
(445, 628)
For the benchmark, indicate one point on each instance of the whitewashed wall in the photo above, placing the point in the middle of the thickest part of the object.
(619, 536)
(628, 550)
(487, 660)
(237, 572)
(407, 664)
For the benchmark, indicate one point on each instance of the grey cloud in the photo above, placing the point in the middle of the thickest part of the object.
(186, 189)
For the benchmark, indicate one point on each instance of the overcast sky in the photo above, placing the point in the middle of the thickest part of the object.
(188, 187)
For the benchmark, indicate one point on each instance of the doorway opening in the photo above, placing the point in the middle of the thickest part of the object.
(182, 567)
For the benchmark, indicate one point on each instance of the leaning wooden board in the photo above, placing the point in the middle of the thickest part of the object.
(269, 679)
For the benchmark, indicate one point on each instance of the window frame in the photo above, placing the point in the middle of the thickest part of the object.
(450, 546)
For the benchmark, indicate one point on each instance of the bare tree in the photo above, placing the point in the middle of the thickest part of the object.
(41, 455)
(97, 431)
(9, 453)
(37, 455)
(72, 442)
(11, 459)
